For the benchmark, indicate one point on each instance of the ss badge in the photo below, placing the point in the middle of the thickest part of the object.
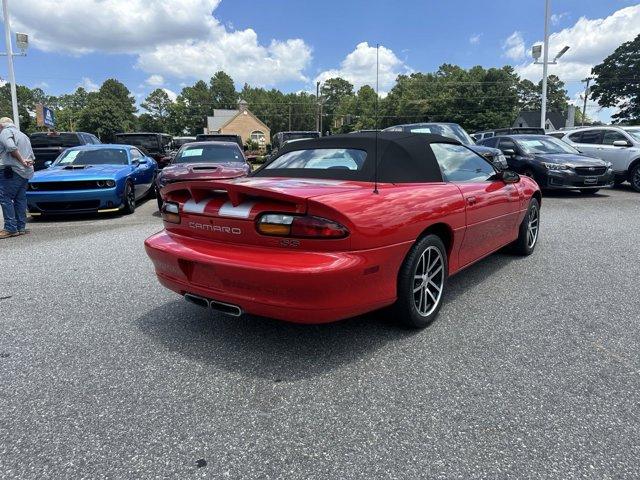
(289, 243)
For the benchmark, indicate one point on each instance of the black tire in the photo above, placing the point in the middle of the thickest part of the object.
(589, 191)
(634, 177)
(129, 199)
(160, 201)
(527, 172)
(406, 308)
(619, 181)
(523, 245)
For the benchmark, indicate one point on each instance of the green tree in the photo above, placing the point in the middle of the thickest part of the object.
(68, 109)
(618, 82)
(109, 110)
(158, 105)
(530, 95)
(198, 104)
(334, 91)
(223, 91)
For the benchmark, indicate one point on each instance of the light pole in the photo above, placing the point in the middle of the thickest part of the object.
(23, 41)
(535, 52)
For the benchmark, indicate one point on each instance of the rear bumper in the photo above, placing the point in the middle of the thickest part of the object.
(295, 286)
(74, 201)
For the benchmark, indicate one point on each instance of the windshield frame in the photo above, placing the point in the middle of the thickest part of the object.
(214, 145)
(58, 161)
(634, 133)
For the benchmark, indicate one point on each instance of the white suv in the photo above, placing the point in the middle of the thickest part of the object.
(618, 145)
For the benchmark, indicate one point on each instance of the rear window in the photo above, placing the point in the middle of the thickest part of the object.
(321, 159)
(209, 154)
(50, 141)
(148, 142)
(106, 156)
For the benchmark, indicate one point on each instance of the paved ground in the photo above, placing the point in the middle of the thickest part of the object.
(531, 371)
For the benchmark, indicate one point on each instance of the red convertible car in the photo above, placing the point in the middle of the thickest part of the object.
(340, 226)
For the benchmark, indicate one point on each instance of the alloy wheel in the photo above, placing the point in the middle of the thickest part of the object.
(428, 281)
(131, 197)
(635, 180)
(532, 226)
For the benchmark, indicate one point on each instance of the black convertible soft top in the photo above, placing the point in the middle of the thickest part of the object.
(402, 157)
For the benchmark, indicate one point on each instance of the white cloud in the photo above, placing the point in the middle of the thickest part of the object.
(172, 95)
(591, 40)
(179, 38)
(556, 18)
(359, 67)
(513, 46)
(125, 26)
(475, 39)
(89, 85)
(237, 53)
(155, 80)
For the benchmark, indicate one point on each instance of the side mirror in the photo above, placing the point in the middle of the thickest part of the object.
(509, 152)
(48, 163)
(143, 161)
(508, 176)
(621, 143)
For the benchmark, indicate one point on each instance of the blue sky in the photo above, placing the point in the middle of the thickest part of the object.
(289, 44)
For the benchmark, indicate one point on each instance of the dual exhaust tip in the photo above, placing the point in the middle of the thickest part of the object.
(226, 308)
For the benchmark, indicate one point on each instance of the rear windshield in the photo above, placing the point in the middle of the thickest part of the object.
(299, 136)
(217, 138)
(450, 131)
(105, 156)
(148, 142)
(51, 141)
(209, 154)
(321, 159)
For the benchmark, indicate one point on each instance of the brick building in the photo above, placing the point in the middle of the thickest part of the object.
(239, 122)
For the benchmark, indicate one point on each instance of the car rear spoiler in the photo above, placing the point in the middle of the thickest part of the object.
(236, 192)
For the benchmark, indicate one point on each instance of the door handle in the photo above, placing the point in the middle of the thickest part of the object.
(472, 200)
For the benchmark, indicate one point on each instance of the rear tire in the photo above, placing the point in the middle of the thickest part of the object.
(422, 281)
(619, 181)
(634, 177)
(589, 191)
(529, 230)
(129, 199)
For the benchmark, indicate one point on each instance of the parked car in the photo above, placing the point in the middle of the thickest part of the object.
(280, 138)
(177, 142)
(155, 145)
(220, 137)
(313, 238)
(553, 163)
(507, 131)
(203, 161)
(47, 146)
(93, 178)
(618, 145)
(455, 131)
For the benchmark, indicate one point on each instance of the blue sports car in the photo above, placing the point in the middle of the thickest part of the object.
(93, 178)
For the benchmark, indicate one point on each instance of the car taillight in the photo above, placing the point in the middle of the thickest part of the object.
(299, 226)
(171, 212)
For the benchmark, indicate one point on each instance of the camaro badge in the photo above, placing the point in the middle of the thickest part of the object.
(215, 228)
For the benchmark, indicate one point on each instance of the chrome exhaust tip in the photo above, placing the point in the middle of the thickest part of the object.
(226, 308)
(221, 307)
(196, 300)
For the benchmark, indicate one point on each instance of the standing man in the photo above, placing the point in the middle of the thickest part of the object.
(16, 168)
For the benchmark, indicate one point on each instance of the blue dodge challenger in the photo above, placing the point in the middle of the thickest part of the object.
(93, 178)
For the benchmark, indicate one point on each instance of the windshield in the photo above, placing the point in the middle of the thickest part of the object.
(178, 142)
(546, 144)
(634, 132)
(104, 156)
(321, 158)
(51, 141)
(148, 142)
(209, 154)
(446, 130)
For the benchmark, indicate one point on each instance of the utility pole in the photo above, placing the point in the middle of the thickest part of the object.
(289, 116)
(586, 96)
(12, 76)
(317, 106)
(545, 64)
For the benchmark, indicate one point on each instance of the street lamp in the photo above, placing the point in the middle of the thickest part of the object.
(535, 53)
(22, 40)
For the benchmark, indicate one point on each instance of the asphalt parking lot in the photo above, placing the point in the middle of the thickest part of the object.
(532, 369)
